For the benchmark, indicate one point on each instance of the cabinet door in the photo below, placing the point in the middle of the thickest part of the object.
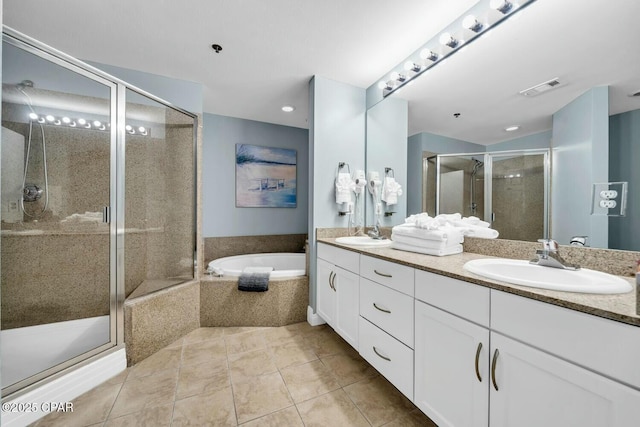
(537, 389)
(326, 295)
(451, 368)
(347, 286)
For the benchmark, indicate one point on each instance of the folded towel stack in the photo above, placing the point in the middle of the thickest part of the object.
(445, 240)
(442, 235)
(391, 190)
(344, 187)
(254, 279)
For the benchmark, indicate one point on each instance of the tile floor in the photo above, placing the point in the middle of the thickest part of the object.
(295, 375)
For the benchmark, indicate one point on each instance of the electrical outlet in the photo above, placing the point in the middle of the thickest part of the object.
(13, 206)
(608, 194)
(608, 204)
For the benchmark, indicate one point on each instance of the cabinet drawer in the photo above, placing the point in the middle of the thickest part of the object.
(463, 299)
(395, 276)
(389, 356)
(388, 309)
(340, 257)
(603, 345)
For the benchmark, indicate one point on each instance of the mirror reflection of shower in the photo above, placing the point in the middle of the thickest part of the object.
(32, 192)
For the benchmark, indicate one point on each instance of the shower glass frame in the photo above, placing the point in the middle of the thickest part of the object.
(117, 196)
(488, 181)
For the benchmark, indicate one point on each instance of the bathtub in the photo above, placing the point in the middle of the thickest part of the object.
(284, 264)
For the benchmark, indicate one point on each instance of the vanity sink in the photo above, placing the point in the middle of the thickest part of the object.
(523, 273)
(363, 241)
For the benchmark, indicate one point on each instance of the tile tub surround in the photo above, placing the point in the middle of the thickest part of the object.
(294, 375)
(153, 321)
(222, 304)
(618, 307)
(220, 247)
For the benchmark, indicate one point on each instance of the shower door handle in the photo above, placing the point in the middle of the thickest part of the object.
(106, 214)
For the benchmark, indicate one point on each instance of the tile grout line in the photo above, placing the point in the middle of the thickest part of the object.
(175, 392)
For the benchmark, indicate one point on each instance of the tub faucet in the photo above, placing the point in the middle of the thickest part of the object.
(549, 256)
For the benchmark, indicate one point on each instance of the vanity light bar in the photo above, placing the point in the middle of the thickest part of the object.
(448, 42)
(81, 123)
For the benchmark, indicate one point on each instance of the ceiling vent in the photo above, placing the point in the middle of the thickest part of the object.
(542, 87)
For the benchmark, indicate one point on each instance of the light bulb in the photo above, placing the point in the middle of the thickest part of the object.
(82, 122)
(382, 85)
(411, 66)
(512, 128)
(448, 40)
(288, 108)
(471, 23)
(128, 127)
(57, 122)
(33, 116)
(503, 6)
(50, 118)
(96, 123)
(141, 129)
(428, 54)
(66, 120)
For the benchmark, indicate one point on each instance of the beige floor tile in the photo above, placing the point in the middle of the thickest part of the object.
(176, 343)
(260, 396)
(378, 400)
(232, 330)
(247, 341)
(331, 410)
(292, 353)
(349, 367)
(251, 364)
(167, 358)
(120, 378)
(203, 351)
(202, 378)
(309, 380)
(90, 408)
(413, 419)
(288, 417)
(213, 409)
(327, 343)
(142, 393)
(157, 416)
(203, 334)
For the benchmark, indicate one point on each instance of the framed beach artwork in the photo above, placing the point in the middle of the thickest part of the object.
(265, 177)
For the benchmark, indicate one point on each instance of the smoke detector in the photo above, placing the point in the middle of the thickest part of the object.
(542, 87)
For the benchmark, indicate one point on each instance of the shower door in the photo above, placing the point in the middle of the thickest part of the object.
(58, 155)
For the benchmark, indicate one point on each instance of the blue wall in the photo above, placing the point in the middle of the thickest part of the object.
(536, 140)
(624, 165)
(220, 216)
(580, 158)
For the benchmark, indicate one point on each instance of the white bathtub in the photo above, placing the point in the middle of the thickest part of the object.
(284, 264)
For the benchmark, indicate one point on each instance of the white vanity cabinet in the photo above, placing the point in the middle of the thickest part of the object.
(338, 285)
(451, 351)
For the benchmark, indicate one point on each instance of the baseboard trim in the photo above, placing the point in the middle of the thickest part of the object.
(313, 318)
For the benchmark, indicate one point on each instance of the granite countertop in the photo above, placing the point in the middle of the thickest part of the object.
(618, 307)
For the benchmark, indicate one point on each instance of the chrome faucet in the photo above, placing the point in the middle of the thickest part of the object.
(549, 256)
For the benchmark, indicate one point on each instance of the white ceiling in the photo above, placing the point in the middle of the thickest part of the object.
(272, 48)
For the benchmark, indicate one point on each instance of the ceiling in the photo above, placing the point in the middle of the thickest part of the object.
(271, 49)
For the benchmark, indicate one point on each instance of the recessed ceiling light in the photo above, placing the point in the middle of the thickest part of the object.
(512, 128)
(288, 108)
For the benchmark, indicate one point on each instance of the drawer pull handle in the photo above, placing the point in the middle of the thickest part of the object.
(379, 355)
(477, 361)
(382, 274)
(333, 281)
(493, 369)
(381, 309)
(331, 276)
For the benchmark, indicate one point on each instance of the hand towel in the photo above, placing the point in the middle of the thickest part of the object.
(344, 186)
(254, 279)
(480, 232)
(452, 250)
(391, 190)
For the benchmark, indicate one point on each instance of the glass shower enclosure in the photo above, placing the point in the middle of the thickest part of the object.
(98, 204)
(508, 189)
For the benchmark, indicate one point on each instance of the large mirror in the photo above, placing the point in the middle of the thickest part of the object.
(588, 115)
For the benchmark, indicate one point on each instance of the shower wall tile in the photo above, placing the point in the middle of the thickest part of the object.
(222, 304)
(219, 247)
(154, 321)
